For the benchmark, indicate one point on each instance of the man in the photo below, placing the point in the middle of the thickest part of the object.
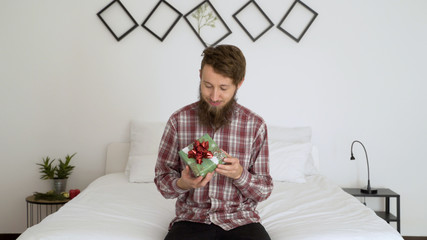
(222, 204)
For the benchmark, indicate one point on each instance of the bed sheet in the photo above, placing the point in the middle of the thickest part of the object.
(109, 208)
(113, 208)
(319, 209)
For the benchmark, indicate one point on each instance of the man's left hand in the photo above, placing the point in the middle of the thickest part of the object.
(231, 168)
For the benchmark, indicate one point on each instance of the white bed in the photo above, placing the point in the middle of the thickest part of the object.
(117, 206)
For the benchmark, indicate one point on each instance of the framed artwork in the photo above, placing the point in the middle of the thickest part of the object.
(161, 20)
(117, 19)
(207, 24)
(297, 20)
(253, 20)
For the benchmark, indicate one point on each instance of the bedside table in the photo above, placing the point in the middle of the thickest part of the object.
(43, 209)
(382, 193)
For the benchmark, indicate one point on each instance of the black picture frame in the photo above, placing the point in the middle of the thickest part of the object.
(161, 38)
(254, 38)
(224, 25)
(116, 36)
(297, 38)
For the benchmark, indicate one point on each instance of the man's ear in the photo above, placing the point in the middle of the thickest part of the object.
(200, 74)
(240, 84)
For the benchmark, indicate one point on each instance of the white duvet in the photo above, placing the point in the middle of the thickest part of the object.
(113, 208)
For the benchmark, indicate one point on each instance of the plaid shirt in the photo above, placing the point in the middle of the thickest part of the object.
(223, 201)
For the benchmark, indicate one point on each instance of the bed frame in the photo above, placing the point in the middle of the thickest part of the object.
(318, 209)
(117, 157)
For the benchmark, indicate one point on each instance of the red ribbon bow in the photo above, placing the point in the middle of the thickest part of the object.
(200, 151)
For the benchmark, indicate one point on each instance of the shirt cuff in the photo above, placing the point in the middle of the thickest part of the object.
(243, 180)
(178, 189)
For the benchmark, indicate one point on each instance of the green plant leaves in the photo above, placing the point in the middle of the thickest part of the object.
(62, 171)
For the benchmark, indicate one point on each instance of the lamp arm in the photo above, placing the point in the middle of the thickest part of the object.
(367, 161)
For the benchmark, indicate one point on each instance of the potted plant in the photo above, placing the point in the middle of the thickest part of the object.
(64, 169)
(46, 169)
(59, 173)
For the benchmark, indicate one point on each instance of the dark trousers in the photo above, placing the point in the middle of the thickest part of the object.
(200, 231)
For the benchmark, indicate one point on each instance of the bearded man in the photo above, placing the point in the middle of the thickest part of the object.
(221, 205)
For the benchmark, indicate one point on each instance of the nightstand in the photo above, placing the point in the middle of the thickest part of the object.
(382, 193)
(42, 209)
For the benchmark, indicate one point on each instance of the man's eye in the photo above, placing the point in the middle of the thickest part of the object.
(208, 86)
(224, 88)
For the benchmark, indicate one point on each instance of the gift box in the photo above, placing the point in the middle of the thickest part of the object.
(202, 156)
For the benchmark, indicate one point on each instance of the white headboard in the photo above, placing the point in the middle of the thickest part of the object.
(117, 157)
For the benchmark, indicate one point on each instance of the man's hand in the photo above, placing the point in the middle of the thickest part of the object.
(231, 168)
(187, 181)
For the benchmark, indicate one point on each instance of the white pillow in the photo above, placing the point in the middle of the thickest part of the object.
(288, 161)
(291, 136)
(142, 168)
(144, 139)
(312, 164)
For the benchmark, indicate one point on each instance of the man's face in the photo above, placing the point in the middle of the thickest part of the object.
(216, 89)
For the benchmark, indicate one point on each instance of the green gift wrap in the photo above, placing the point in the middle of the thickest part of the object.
(209, 157)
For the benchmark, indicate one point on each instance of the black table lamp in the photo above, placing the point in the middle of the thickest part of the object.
(368, 189)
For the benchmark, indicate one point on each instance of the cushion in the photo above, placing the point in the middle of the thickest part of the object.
(312, 164)
(144, 139)
(288, 160)
(142, 168)
(292, 135)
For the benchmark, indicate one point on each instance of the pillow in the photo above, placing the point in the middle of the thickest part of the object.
(312, 164)
(291, 136)
(288, 161)
(144, 139)
(142, 168)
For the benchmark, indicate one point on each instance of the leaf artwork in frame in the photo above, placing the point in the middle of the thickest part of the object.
(207, 24)
(204, 17)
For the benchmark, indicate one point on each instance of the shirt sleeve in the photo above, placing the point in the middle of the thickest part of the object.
(256, 183)
(168, 166)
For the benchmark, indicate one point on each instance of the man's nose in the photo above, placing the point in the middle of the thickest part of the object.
(215, 95)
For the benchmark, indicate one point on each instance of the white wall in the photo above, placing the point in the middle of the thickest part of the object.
(66, 85)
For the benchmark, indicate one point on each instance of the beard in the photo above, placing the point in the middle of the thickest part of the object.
(215, 117)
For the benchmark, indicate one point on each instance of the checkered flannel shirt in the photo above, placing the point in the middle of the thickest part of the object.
(223, 201)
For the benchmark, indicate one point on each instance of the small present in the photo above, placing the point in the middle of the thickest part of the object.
(202, 156)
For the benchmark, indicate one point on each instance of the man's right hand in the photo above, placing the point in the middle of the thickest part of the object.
(187, 181)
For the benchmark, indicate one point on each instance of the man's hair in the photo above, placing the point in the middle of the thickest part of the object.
(226, 60)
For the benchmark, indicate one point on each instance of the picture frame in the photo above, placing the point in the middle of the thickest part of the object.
(161, 13)
(205, 17)
(117, 19)
(297, 20)
(248, 13)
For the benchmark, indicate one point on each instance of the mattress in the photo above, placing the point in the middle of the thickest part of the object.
(112, 208)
